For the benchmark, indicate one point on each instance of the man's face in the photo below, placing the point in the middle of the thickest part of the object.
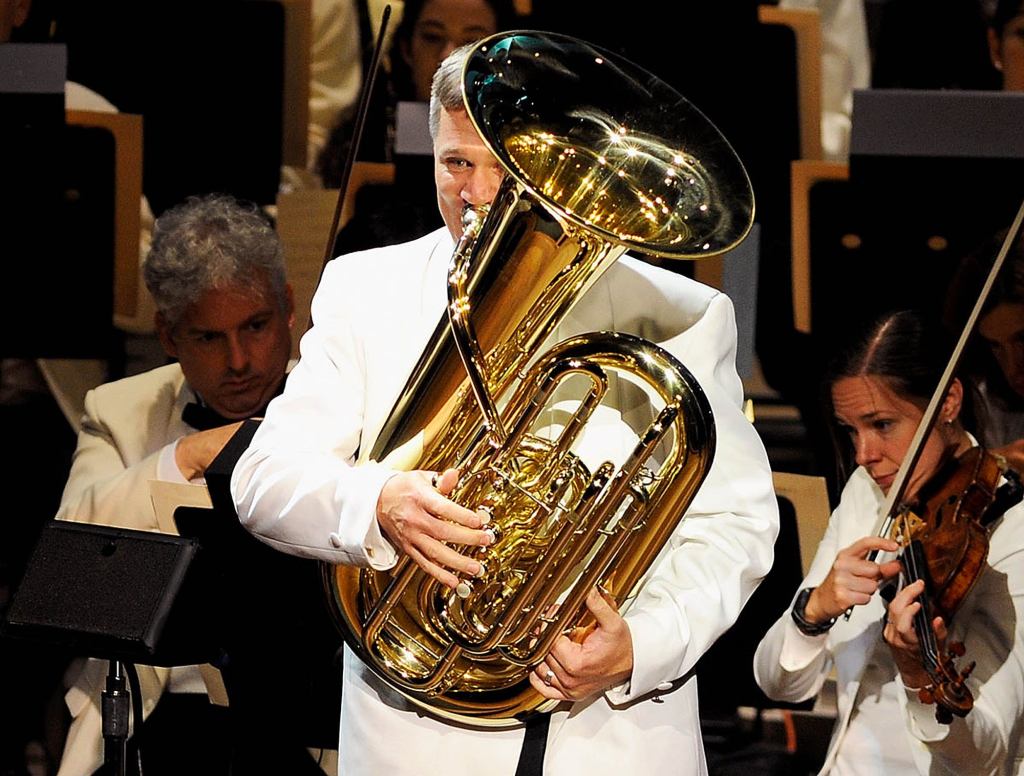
(233, 346)
(465, 171)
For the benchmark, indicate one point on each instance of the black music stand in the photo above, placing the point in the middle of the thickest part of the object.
(116, 594)
(212, 595)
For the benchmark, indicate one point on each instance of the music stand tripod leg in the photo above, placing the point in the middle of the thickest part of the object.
(115, 710)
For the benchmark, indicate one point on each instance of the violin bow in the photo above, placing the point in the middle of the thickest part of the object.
(893, 501)
(357, 134)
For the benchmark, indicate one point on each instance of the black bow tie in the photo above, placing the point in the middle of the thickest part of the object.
(201, 417)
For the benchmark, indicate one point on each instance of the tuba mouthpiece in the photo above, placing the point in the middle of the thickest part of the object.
(472, 214)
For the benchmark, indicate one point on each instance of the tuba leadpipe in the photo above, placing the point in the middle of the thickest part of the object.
(584, 183)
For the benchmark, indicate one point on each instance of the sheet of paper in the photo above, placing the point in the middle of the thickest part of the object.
(214, 684)
(168, 496)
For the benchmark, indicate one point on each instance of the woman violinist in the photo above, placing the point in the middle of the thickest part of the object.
(878, 391)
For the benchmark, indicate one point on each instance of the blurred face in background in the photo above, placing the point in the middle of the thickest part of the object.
(12, 15)
(1007, 52)
(442, 27)
(1002, 329)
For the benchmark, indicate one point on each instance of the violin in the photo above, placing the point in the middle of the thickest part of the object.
(944, 530)
(944, 535)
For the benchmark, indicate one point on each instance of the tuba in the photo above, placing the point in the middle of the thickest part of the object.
(600, 157)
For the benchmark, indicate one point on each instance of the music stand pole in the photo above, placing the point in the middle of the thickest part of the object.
(115, 719)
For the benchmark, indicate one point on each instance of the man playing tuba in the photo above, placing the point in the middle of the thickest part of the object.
(628, 699)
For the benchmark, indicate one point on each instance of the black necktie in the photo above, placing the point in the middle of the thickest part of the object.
(535, 741)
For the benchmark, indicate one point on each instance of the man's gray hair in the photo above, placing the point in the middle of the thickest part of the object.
(210, 243)
(446, 88)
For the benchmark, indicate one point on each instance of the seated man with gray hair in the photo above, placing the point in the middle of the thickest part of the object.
(224, 314)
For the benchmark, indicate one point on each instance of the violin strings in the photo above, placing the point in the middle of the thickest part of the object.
(925, 632)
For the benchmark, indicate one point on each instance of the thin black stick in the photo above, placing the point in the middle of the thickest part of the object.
(357, 134)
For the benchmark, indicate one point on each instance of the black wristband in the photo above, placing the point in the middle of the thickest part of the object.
(804, 625)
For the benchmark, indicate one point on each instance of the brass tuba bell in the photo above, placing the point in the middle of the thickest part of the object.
(600, 157)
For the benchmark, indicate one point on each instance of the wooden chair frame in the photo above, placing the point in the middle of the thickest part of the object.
(809, 497)
(127, 131)
(804, 175)
(805, 24)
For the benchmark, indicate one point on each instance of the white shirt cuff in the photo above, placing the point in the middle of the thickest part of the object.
(380, 554)
(923, 724)
(167, 466)
(798, 649)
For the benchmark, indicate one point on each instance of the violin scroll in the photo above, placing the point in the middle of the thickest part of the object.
(950, 693)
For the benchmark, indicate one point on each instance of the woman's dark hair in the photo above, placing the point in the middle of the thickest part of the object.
(907, 349)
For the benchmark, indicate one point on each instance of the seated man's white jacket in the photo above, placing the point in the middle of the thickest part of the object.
(296, 488)
(126, 425)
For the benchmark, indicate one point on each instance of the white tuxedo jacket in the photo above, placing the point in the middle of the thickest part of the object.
(126, 425)
(297, 489)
